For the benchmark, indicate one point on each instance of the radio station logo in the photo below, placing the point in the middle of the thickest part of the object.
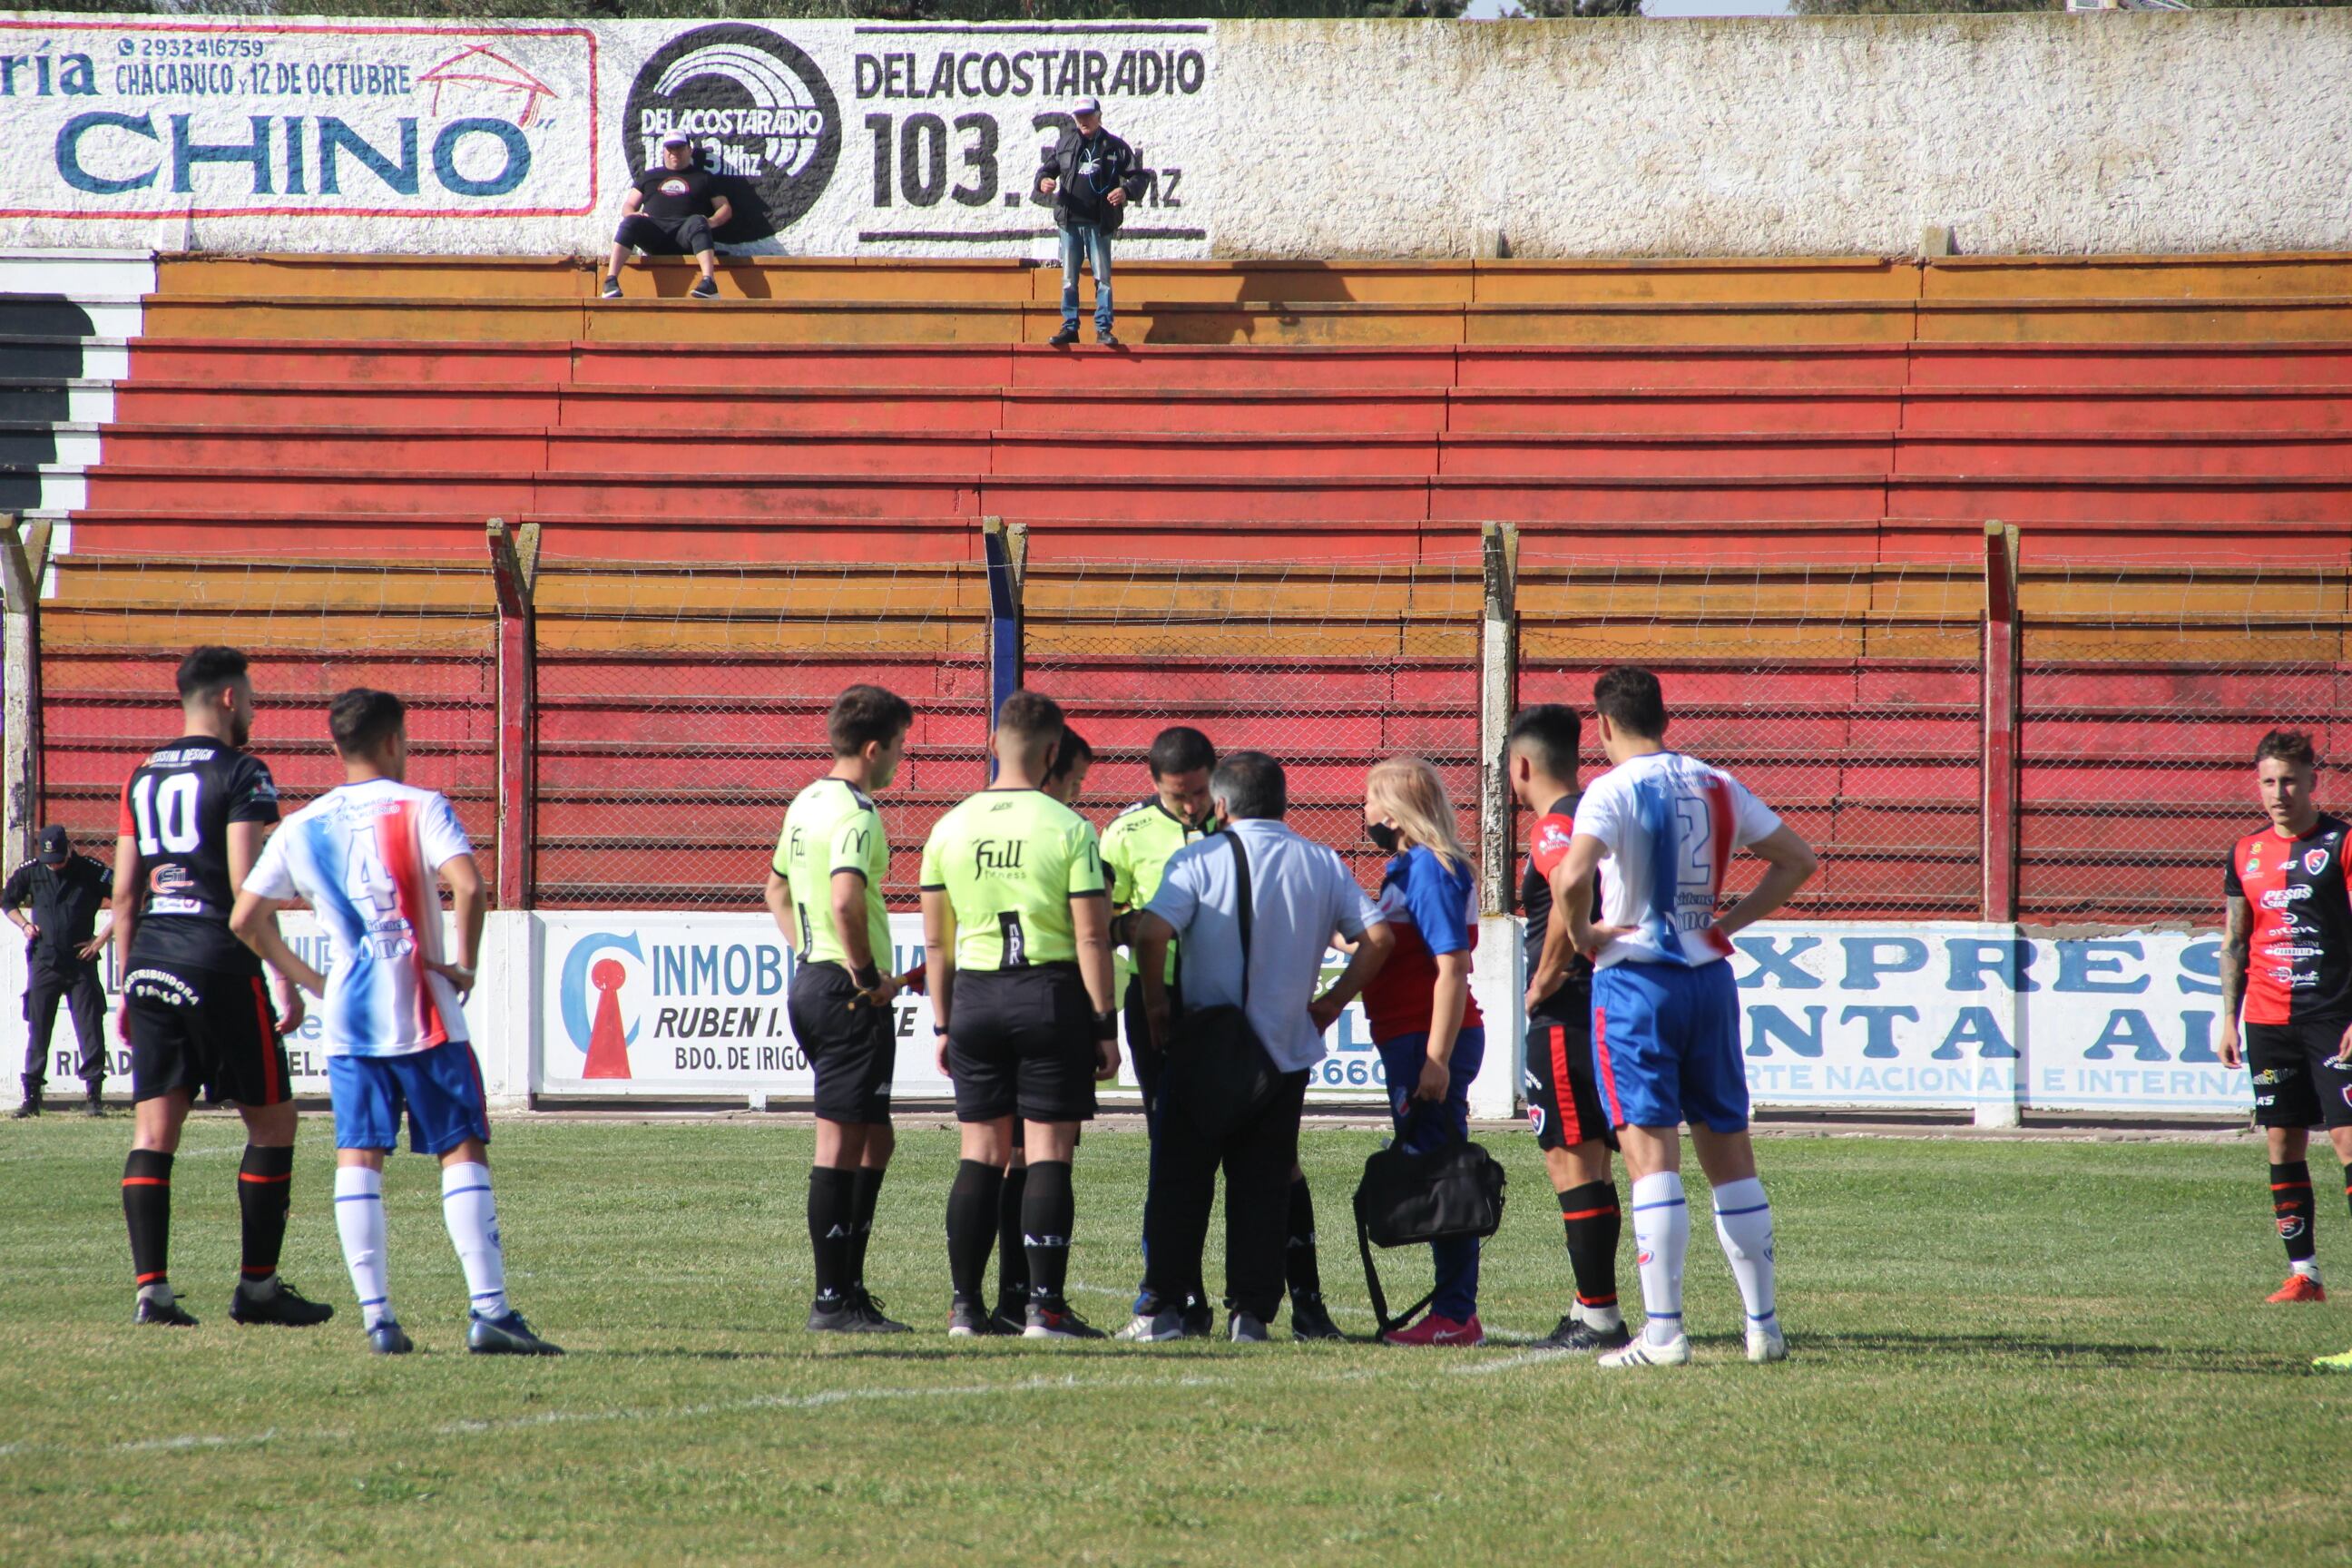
(761, 114)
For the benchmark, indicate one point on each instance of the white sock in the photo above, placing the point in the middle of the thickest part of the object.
(1743, 1223)
(1661, 1237)
(1603, 1318)
(2308, 1267)
(473, 1217)
(160, 1292)
(359, 1219)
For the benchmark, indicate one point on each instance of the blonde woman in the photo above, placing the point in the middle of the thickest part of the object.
(1427, 1028)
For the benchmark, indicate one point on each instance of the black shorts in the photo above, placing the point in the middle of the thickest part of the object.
(688, 236)
(212, 1034)
(1563, 1099)
(853, 1049)
(1021, 1042)
(2297, 1080)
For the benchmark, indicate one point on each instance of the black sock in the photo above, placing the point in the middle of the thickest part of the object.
(831, 1194)
(1047, 1215)
(971, 1226)
(265, 1189)
(147, 1207)
(1299, 1264)
(2291, 1196)
(865, 1192)
(1012, 1258)
(1593, 1222)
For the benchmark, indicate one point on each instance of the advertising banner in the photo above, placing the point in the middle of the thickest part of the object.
(827, 138)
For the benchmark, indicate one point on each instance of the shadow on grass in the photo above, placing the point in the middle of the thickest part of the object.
(2024, 1348)
(898, 1353)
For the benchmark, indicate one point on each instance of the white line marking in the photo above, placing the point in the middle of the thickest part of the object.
(1509, 1363)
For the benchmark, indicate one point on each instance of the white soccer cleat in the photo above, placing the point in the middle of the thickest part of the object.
(1675, 1351)
(1768, 1343)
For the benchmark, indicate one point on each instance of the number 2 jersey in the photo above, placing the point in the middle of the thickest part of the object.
(2300, 966)
(1669, 824)
(177, 807)
(364, 858)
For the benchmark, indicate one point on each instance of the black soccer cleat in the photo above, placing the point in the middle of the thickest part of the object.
(389, 1338)
(872, 1318)
(1578, 1337)
(1058, 1323)
(1311, 1320)
(285, 1307)
(968, 1321)
(1065, 338)
(170, 1314)
(508, 1335)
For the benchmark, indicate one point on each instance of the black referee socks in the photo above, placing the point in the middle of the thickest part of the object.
(264, 1190)
(1048, 1212)
(865, 1193)
(971, 1226)
(1301, 1270)
(1012, 1258)
(147, 1207)
(832, 1199)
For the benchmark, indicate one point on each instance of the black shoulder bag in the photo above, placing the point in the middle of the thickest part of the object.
(1219, 1076)
(1406, 1200)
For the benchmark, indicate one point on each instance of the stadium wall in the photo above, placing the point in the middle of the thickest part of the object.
(1939, 1017)
(2113, 133)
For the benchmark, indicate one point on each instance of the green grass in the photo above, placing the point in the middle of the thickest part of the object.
(2002, 1352)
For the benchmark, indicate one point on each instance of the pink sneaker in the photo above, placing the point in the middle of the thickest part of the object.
(1435, 1330)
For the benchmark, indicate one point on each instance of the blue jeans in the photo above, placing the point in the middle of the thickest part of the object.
(1422, 1127)
(1086, 243)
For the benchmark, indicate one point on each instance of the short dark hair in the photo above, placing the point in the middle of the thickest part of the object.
(2288, 746)
(1629, 698)
(363, 718)
(1549, 733)
(1251, 784)
(1181, 749)
(866, 715)
(1072, 751)
(208, 668)
(1031, 715)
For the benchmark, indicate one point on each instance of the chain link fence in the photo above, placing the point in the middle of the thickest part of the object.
(2142, 696)
(1847, 697)
(112, 636)
(682, 705)
(1328, 666)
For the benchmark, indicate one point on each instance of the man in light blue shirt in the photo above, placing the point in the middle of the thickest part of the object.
(1300, 897)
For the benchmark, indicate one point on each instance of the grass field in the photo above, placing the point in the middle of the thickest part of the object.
(2012, 1352)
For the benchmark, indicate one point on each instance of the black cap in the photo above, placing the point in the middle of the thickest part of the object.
(55, 849)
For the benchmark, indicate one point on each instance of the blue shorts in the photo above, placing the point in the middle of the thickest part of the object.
(1665, 1046)
(441, 1089)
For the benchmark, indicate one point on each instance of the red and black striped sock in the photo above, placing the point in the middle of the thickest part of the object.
(265, 1189)
(2291, 1198)
(1594, 1223)
(147, 1207)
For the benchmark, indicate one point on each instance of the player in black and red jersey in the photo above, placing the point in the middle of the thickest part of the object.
(2286, 960)
(1563, 1099)
(194, 1009)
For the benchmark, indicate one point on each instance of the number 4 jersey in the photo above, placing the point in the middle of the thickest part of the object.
(177, 807)
(1669, 824)
(364, 858)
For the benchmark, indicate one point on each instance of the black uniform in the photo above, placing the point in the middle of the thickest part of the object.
(1563, 1099)
(65, 902)
(197, 1014)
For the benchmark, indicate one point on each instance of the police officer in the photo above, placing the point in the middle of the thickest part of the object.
(62, 944)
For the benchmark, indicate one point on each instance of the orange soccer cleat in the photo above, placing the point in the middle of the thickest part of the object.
(2299, 1287)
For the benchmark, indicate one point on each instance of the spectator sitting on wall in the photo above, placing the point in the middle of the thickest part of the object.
(672, 210)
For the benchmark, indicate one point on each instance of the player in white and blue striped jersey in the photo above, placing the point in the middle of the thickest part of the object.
(368, 857)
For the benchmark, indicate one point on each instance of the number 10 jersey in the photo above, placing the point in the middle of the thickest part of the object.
(177, 807)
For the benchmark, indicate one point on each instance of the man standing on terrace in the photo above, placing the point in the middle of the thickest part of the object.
(1093, 177)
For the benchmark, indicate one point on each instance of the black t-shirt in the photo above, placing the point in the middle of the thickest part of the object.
(65, 901)
(178, 805)
(1547, 845)
(673, 194)
(1096, 172)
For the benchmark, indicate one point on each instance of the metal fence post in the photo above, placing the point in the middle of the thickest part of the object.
(1494, 976)
(1007, 548)
(23, 557)
(1998, 789)
(514, 564)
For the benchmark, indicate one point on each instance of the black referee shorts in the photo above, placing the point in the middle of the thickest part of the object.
(851, 1046)
(1021, 1042)
(2297, 1080)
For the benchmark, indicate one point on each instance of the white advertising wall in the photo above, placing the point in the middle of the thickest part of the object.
(2118, 133)
(1982, 1018)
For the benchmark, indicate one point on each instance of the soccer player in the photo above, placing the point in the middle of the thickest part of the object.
(1016, 937)
(1571, 1126)
(2286, 982)
(194, 1010)
(364, 856)
(1659, 829)
(825, 890)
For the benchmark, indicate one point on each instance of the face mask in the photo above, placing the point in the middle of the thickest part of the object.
(1382, 834)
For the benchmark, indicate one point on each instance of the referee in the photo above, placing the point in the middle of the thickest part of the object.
(1016, 937)
(62, 948)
